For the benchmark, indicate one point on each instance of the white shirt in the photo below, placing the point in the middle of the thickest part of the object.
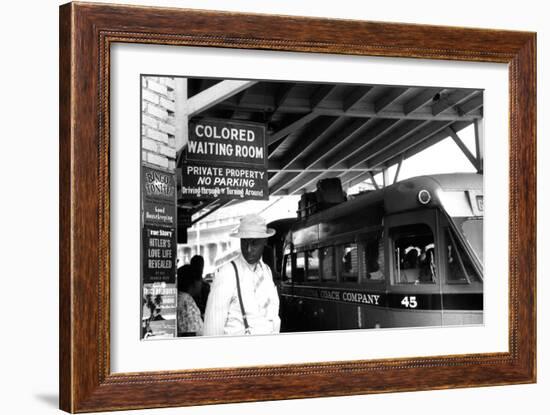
(259, 295)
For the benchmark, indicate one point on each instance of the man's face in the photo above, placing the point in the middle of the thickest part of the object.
(252, 249)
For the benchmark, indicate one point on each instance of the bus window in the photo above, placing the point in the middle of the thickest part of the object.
(459, 267)
(312, 265)
(299, 271)
(287, 268)
(472, 229)
(350, 271)
(374, 259)
(327, 261)
(414, 259)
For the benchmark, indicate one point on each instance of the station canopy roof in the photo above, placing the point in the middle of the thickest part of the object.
(322, 130)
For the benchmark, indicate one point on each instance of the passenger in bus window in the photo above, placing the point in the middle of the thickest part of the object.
(412, 261)
(427, 265)
(312, 269)
(287, 268)
(243, 298)
(328, 267)
(373, 270)
(349, 263)
(299, 273)
(374, 253)
(459, 267)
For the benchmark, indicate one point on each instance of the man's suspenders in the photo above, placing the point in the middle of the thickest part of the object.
(245, 321)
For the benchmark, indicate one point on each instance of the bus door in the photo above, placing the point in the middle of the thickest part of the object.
(285, 289)
(297, 292)
(362, 281)
(412, 252)
(462, 281)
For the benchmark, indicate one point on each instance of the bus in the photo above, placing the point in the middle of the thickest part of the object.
(407, 255)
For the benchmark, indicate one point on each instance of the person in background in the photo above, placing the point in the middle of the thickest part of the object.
(188, 314)
(197, 263)
(243, 298)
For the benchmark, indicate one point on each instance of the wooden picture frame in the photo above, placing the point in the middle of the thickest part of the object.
(86, 33)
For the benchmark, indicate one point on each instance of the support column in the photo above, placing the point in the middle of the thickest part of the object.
(398, 168)
(181, 118)
(480, 142)
(386, 177)
(463, 147)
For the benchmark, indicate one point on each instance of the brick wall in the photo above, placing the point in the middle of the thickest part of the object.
(158, 143)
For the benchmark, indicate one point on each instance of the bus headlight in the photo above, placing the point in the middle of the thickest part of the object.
(424, 197)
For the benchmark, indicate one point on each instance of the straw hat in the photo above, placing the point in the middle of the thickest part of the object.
(253, 226)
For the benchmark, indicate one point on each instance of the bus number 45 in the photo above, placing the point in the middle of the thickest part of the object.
(409, 302)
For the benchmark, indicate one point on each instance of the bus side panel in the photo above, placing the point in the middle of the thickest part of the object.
(357, 316)
(374, 317)
(351, 316)
(288, 312)
(411, 319)
(313, 315)
(305, 314)
(453, 318)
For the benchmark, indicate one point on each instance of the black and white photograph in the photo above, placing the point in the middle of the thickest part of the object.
(274, 207)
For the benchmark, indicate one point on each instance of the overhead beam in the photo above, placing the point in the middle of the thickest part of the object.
(292, 127)
(313, 160)
(341, 140)
(285, 187)
(420, 100)
(358, 179)
(424, 144)
(310, 179)
(359, 111)
(389, 98)
(352, 178)
(319, 170)
(408, 142)
(453, 99)
(406, 145)
(463, 148)
(313, 135)
(214, 95)
(306, 182)
(470, 105)
(320, 94)
(278, 188)
(281, 95)
(355, 97)
(377, 137)
(303, 181)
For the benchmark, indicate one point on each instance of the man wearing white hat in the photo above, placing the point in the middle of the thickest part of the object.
(243, 298)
